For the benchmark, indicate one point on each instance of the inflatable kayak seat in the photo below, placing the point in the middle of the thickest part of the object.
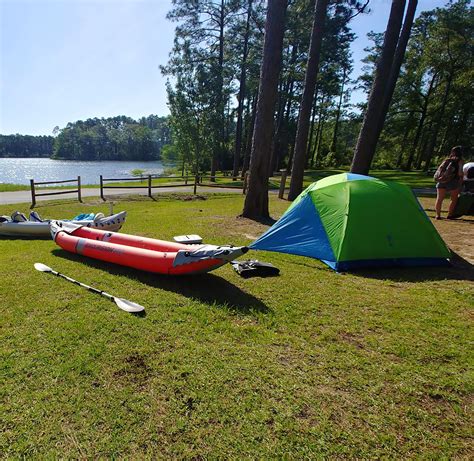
(18, 217)
(35, 217)
(188, 239)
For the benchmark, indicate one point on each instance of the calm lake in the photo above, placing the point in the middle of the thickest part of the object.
(21, 170)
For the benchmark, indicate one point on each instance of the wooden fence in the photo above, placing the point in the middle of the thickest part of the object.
(229, 182)
(222, 180)
(35, 194)
(150, 186)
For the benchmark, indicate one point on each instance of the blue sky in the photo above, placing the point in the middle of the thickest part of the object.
(65, 60)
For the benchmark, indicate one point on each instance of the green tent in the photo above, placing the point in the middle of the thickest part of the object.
(351, 221)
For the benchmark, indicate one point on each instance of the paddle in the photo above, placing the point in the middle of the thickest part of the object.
(124, 304)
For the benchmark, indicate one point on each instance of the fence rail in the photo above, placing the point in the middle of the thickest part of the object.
(149, 185)
(35, 194)
(221, 180)
(226, 175)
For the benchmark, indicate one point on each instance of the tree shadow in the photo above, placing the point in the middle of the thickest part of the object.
(207, 288)
(461, 218)
(25, 237)
(460, 269)
(260, 219)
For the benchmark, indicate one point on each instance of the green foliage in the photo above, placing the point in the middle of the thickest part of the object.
(18, 145)
(137, 172)
(431, 109)
(115, 138)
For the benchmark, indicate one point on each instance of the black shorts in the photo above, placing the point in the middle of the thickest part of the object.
(449, 186)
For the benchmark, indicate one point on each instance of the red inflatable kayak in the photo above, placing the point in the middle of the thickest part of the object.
(141, 252)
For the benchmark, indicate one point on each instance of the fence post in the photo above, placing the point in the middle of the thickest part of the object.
(281, 192)
(33, 194)
(149, 185)
(79, 196)
(196, 180)
(102, 188)
(246, 182)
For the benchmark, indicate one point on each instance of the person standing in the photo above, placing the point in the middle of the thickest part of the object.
(449, 177)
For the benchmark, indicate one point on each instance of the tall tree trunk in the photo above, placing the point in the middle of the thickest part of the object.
(424, 111)
(256, 200)
(277, 130)
(320, 138)
(309, 160)
(318, 134)
(427, 131)
(280, 134)
(405, 138)
(397, 63)
(248, 141)
(333, 147)
(241, 96)
(286, 131)
(461, 128)
(439, 121)
(297, 171)
(368, 136)
(219, 129)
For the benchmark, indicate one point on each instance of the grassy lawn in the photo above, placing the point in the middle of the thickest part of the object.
(416, 179)
(310, 364)
(6, 187)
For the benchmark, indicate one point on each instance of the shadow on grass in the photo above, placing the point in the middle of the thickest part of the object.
(25, 237)
(207, 288)
(261, 220)
(458, 219)
(460, 269)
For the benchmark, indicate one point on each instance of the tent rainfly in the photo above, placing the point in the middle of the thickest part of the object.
(350, 221)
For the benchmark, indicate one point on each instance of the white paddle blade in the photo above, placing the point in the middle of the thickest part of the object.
(128, 306)
(42, 267)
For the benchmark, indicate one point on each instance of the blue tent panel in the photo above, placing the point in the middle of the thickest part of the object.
(358, 177)
(299, 231)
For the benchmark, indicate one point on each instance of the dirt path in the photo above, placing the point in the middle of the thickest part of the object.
(457, 233)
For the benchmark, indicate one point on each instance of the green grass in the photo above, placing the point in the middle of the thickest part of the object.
(6, 187)
(416, 179)
(310, 364)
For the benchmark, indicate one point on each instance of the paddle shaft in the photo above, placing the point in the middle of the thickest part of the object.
(94, 290)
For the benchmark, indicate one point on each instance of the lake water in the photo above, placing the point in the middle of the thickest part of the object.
(21, 170)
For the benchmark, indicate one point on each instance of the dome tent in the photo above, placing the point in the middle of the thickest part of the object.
(351, 221)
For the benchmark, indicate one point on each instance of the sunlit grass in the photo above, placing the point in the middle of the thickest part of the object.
(310, 364)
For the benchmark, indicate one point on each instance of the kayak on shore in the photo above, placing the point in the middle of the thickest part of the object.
(142, 253)
(19, 226)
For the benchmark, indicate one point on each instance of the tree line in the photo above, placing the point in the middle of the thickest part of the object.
(19, 145)
(113, 138)
(250, 78)
(215, 69)
(431, 108)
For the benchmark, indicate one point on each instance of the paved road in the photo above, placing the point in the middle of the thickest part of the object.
(24, 196)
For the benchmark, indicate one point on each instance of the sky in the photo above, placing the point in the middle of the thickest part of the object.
(68, 60)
